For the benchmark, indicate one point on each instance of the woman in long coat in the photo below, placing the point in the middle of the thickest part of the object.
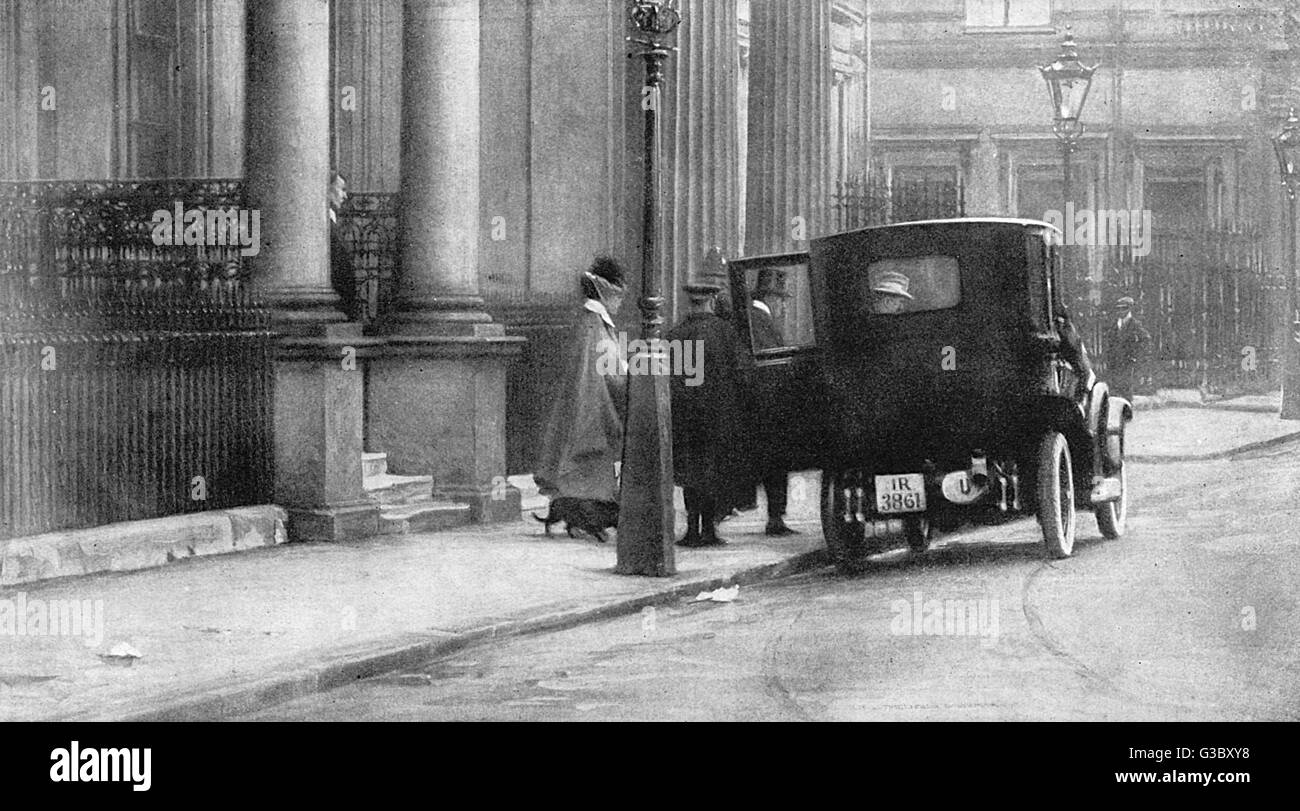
(584, 432)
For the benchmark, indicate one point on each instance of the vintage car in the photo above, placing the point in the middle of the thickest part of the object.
(923, 368)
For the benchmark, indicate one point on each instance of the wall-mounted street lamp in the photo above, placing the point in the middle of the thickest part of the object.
(646, 514)
(1287, 146)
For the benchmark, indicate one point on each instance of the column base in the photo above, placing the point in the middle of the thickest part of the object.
(490, 504)
(334, 523)
(461, 316)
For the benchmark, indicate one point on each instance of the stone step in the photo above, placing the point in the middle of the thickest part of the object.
(389, 489)
(425, 516)
(529, 499)
(374, 464)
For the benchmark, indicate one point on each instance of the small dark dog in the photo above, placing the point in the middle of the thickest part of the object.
(591, 517)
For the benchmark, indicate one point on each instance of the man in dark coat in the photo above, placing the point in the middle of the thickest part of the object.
(1126, 345)
(343, 275)
(769, 293)
(708, 442)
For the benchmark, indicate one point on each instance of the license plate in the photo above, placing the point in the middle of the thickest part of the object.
(903, 493)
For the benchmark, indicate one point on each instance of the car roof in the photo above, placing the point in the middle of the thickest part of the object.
(964, 221)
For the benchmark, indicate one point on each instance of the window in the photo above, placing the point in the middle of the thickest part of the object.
(1008, 13)
(780, 313)
(910, 285)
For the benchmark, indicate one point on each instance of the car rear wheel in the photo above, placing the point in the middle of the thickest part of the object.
(846, 540)
(1056, 514)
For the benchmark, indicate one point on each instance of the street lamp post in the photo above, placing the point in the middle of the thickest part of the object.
(1068, 82)
(645, 521)
(1287, 146)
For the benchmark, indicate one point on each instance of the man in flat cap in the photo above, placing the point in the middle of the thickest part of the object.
(708, 443)
(1126, 344)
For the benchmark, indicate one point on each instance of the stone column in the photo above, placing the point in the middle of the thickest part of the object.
(789, 131)
(702, 151)
(983, 195)
(317, 405)
(437, 390)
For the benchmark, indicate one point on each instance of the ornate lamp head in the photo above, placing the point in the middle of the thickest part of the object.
(655, 17)
(1068, 81)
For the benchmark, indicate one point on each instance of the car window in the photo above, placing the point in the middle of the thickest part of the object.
(780, 313)
(910, 285)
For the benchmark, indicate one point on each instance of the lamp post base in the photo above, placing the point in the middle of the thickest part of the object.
(646, 514)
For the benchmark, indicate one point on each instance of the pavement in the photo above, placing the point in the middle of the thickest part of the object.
(212, 638)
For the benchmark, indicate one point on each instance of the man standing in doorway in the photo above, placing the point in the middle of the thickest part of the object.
(769, 299)
(343, 275)
(1126, 344)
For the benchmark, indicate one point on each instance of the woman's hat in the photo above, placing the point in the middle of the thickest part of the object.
(611, 271)
(1125, 303)
(891, 283)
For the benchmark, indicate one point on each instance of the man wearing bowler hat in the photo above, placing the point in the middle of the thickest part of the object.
(1126, 343)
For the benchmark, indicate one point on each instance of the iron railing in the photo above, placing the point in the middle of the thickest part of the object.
(136, 377)
(1213, 311)
(866, 200)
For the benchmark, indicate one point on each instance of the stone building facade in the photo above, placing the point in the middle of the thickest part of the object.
(502, 137)
(1178, 123)
(502, 141)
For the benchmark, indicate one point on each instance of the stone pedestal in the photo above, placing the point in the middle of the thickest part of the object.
(318, 421)
(437, 407)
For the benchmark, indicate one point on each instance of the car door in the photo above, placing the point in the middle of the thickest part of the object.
(781, 361)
